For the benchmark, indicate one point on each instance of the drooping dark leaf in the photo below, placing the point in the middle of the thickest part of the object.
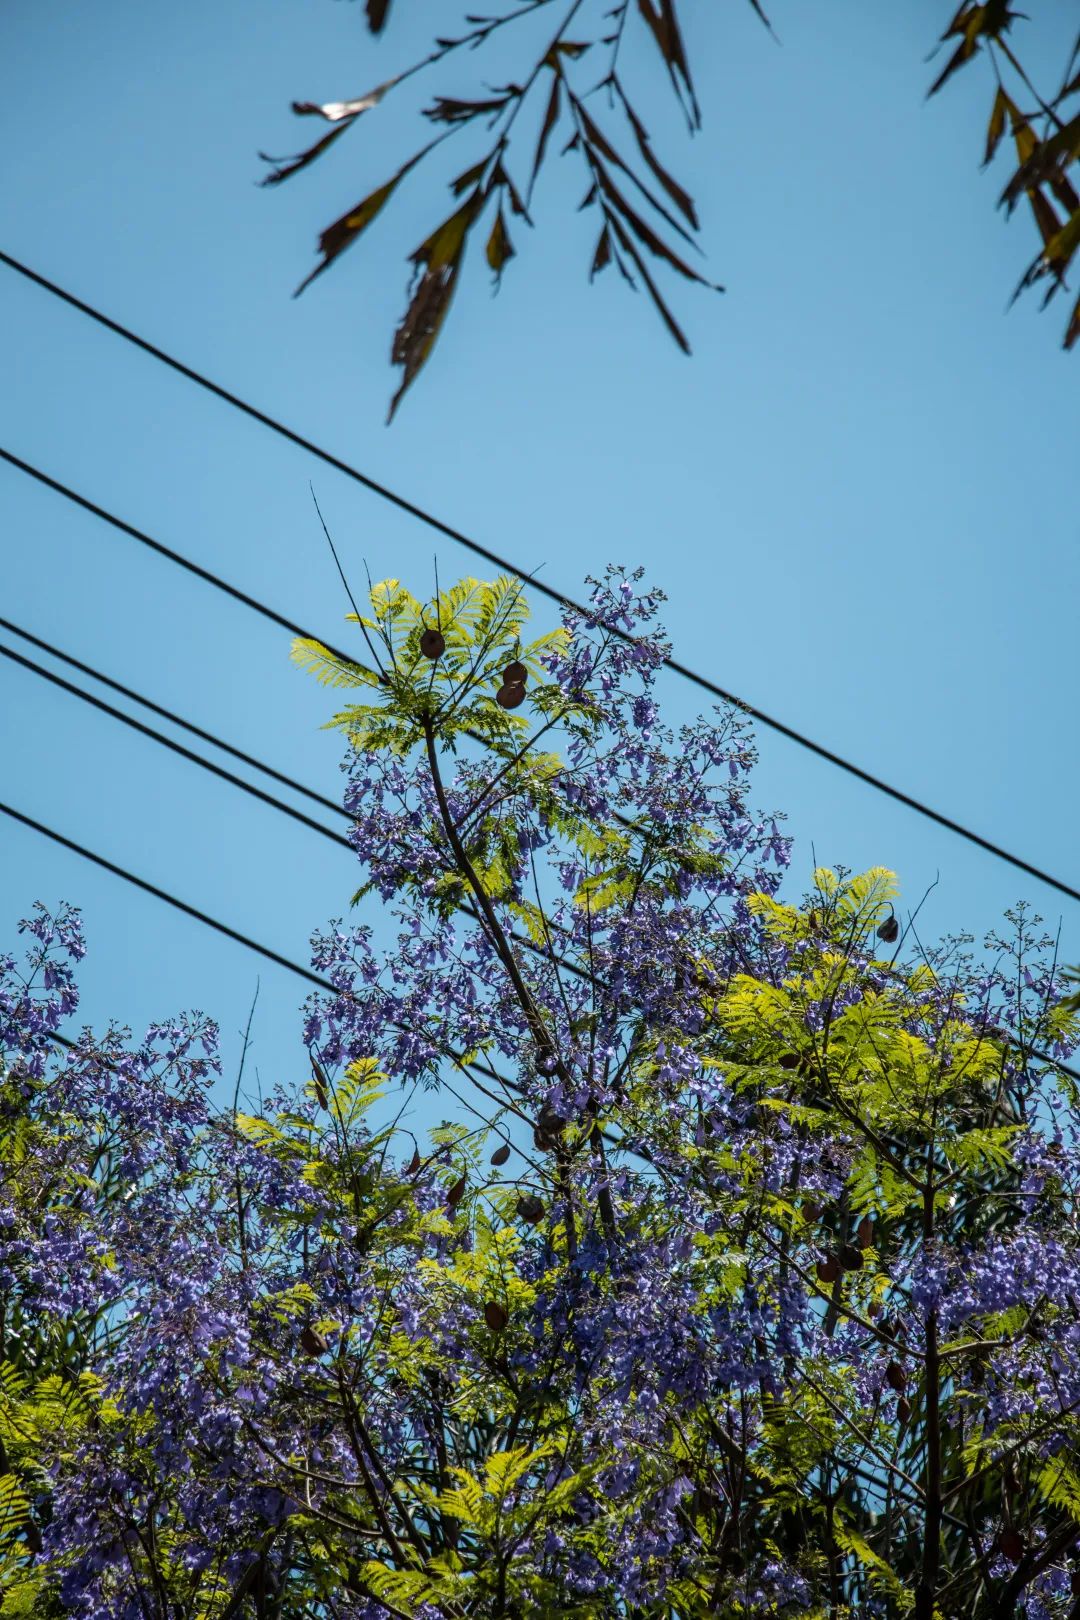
(377, 12)
(664, 26)
(996, 128)
(645, 233)
(596, 139)
(679, 196)
(284, 167)
(499, 246)
(344, 231)
(551, 118)
(602, 256)
(438, 262)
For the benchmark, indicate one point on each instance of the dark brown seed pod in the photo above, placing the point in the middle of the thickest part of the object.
(501, 1154)
(810, 1210)
(432, 644)
(414, 1163)
(873, 1310)
(510, 695)
(889, 931)
(456, 1193)
(495, 1316)
(1011, 1544)
(828, 1270)
(32, 1536)
(1074, 1583)
(850, 1257)
(895, 1377)
(515, 674)
(530, 1208)
(865, 1233)
(903, 1411)
(313, 1341)
(789, 1060)
(319, 1081)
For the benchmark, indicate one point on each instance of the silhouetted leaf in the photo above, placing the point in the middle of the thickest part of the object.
(602, 256)
(335, 111)
(551, 118)
(664, 26)
(499, 246)
(377, 11)
(287, 166)
(680, 197)
(344, 231)
(438, 261)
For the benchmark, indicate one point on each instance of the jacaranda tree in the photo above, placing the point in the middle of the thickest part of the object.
(744, 1279)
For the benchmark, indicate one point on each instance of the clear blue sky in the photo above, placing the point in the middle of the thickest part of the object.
(861, 493)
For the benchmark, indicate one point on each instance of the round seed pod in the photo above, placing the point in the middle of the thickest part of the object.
(889, 931)
(789, 1060)
(828, 1270)
(1011, 1544)
(810, 1210)
(432, 644)
(456, 1193)
(501, 1154)
(515, 674)
(530, 1208)
(903, 1411)
(895, 1377)
(850, 1257)
(865, 1233)
(313, 1341)
(510, 695)
(495, 1316)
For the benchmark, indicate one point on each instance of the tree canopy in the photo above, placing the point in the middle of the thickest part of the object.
(744, 1278)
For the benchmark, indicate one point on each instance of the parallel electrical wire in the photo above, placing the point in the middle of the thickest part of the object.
(173, 719)
(523, 940)
(174, 746)
(167, 898)
(460, 538)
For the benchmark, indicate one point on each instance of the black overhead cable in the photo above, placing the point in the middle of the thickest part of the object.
(188, 754)
(169, 899)
(167, 714)
(176, 747)
(275, 956)
(451, 533)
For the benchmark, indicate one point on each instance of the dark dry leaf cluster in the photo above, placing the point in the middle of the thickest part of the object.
(576, 101)
(1046, 138)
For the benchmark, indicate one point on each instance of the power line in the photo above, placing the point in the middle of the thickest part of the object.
(177, 557)
(168, 899)
(523, 940)
(460, 538)
(177, 747)
(285, 623)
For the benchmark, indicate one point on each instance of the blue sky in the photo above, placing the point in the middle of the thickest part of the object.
(860, 492)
